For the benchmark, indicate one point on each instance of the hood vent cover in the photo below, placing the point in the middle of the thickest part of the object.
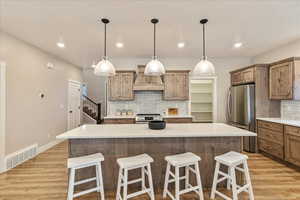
(147, 83)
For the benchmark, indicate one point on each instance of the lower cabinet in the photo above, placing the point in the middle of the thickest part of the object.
(179, 120)
(292, 145)
(279, 140)
(119, 121)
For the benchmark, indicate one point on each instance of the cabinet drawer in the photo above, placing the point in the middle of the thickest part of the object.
(271, 135)
(271, 148)
(292, 130)
(270, 125)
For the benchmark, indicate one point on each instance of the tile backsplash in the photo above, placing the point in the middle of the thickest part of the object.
(148, 102)
(290, 110)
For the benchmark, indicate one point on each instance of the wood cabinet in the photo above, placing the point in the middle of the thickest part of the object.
(243, 76)
(284, 80)
(119, 121)
(270, 138)
(176, 85)
(120, 86)
(292, 145)
(279, 140)
(179, 120)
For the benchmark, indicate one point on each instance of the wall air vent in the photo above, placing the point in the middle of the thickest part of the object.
(21, 156)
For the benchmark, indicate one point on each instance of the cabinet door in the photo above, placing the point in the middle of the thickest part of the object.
(281, 81)
(236, 78)
(292, 145)
(114, 89)
(248, 75)
(176, 86)
(127, 86)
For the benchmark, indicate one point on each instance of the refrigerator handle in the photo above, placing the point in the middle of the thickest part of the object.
(229, 103)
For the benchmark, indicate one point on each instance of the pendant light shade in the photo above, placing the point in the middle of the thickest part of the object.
(204, 67)
(154, 67)
(104, 67)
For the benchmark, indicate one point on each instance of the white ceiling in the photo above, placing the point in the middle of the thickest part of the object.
(260, 24)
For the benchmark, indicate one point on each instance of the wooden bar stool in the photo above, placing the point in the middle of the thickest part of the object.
(83, 162)
(186, 160)
(232, 160)
(140, 161)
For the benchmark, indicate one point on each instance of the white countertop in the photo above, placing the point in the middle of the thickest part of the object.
(142, 131)
(177, 116)
(282, 121)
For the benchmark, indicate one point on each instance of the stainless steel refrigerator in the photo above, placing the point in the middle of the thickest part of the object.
(241, 112)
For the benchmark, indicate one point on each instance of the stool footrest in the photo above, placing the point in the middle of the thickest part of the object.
(86, 192)
(243, 188)
(138, 193)
(195, 188)
(85, 181)
(223, 195)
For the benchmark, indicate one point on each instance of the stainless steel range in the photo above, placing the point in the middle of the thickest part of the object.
(144, 118)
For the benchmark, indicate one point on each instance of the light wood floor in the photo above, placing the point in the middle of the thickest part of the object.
(45, 178)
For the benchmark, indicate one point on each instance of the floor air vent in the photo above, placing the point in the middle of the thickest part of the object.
(21, 156)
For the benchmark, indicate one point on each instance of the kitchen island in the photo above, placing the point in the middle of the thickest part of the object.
(122, 140)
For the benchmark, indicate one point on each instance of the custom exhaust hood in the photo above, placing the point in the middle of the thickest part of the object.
(147, 83)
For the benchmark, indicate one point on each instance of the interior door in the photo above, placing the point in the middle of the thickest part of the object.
(74, 103)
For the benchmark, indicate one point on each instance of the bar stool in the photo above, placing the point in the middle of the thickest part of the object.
(83, 162)
(232, 160)
(140, 161)
(186, 160)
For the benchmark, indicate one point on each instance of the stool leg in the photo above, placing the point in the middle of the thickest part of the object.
(97, 178)
(214, 186)
(228, 180)
(187, 177)
(119, 184)
(166, 180)
(143, 179)
(125, 185)
(199, 183)
(100, 180)
(234, 188)
(177, 183)
(71, 184)
(150, 181)
(248, 180)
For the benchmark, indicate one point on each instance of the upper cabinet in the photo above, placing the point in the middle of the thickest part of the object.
(176, 85)
(120, 86)
(243, 76)
(285, 80)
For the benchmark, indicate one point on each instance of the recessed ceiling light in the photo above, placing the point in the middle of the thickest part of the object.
(119, 45)
(238, 45)
(60, 44)
(180, 44)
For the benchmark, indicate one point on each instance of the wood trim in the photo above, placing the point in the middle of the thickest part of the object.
(119, 121)
(2, 115)
(291, 59)
(179, 71)
(179, 120)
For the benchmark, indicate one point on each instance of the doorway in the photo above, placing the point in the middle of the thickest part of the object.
(2, 115)
(74, 104)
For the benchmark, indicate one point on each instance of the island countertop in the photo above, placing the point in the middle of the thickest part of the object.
(142, 131)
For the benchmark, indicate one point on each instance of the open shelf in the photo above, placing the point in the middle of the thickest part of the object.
(202, 100)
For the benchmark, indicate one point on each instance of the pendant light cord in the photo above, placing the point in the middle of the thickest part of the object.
(204, 45)
(105, 41)
(154, 41)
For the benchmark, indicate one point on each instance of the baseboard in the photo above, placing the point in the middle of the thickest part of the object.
(45, 147)
(40, 149)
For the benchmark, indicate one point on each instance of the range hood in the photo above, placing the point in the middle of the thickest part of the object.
(147, 83)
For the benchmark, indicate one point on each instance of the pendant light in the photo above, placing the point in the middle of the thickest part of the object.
(154, 67)
(204, 67)
(104, 67)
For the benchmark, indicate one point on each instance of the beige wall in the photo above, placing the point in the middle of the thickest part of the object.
(31, 119)
(222, 65)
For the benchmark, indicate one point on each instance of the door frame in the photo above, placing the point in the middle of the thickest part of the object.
(79, 84)
(215, 94)
(2, 115)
